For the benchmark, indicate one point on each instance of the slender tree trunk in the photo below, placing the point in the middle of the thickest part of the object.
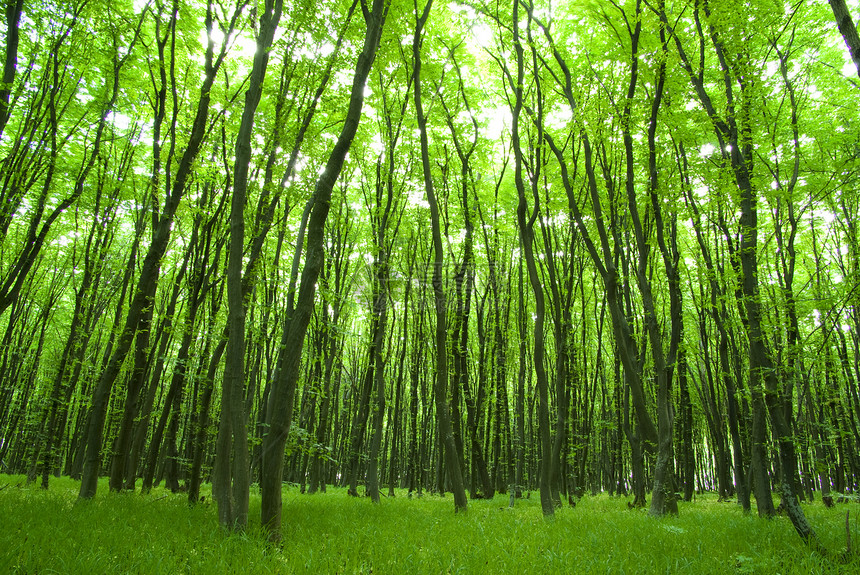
(199, 436)
(231, 476)
(147, 281)
(848, 30)
(359, 421)
(279, 408)
(519, 410)
(379, 397)
(526, 231)
(443, 417)
(14, 8)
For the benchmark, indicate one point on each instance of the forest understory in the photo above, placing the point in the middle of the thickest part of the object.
(159, 533)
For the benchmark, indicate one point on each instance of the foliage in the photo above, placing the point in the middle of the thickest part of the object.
(688, 172)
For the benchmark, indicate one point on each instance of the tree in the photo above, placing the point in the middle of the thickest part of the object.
(848, 30)
(452, 461)
(279, 408)
(148, 279)
(231, 475)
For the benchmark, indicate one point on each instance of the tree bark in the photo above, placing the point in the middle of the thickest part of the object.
(231, 476)
(148, 279)
(10, 63)
(848, 30)
(279, 408)
(443, 417)
(525, 226)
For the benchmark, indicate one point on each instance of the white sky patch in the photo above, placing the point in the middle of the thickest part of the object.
(814, 92)
(495, 121)
(343, 77)
(559, 117)
(417, 197)
(84, 96)
(482, 35)
(376, 145)
(700, 189)
(825, 215)
(311, 49)
(216, 35)
(772, 68)
(456, 237)
(246, 46)
(120, 121)
(240, 45)
(707, 150)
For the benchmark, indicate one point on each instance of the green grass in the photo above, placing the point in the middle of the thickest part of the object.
(50, 532)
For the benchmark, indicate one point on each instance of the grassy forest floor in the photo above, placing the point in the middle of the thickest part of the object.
(49, 532)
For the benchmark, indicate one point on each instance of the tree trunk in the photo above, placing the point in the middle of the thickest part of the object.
(526, 231)
(279, 408)
(848, 30)
(231, 476)
(443, 417)
(147, 281)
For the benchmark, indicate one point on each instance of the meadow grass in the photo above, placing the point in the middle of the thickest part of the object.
(51, 532)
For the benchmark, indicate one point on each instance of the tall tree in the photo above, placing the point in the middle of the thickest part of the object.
(526, 218)
(733, 131)
(148, 280)
(279, 409)
(443, 411)
(231, 476)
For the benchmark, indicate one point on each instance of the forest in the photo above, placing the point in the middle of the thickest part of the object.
(476, 248)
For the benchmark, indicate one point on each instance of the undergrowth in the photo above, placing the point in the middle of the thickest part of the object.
(51, 532)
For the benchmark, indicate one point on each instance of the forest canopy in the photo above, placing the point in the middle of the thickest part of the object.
(584, 246)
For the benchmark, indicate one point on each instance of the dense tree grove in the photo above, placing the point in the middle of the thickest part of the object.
(583, 246)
